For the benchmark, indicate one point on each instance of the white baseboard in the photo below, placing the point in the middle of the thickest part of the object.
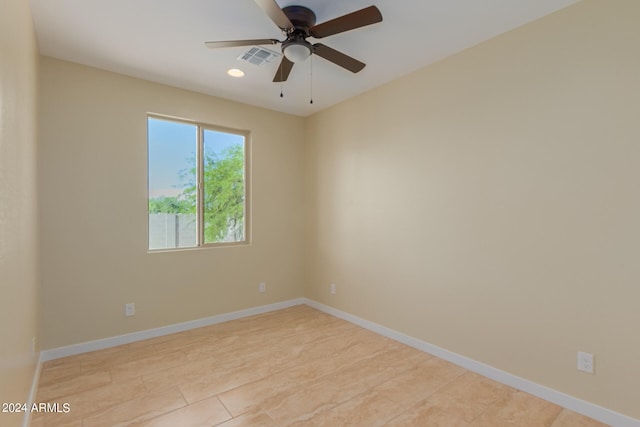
(85, 347)
(26, 420)
(580, 406)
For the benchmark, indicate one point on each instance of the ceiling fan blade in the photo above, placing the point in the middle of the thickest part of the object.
(234, 43)
(363, 17)
(338, 58)
(283, 70)
(271, 8)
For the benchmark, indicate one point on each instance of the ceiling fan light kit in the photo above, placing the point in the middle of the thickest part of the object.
(297, 50)
(297, 24)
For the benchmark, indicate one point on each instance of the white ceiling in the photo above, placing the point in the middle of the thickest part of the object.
(163, 41)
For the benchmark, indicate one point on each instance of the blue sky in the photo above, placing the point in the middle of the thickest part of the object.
(172, 150)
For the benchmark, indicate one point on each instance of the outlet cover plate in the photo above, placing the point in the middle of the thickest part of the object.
(129, 309)
(585, 362)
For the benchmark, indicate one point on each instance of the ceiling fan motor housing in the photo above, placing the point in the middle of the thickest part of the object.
(301, 17)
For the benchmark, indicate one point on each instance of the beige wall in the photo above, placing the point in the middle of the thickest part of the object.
(490, 204)
(94, 214)
(18, 208)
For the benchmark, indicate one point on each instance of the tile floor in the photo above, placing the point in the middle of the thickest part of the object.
(293, 367)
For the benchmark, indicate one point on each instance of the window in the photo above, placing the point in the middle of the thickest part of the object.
(197, 184)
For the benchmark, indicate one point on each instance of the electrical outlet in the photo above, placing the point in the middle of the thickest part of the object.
(130, 309)
(262, 287)
(332, 288)
(585, 362)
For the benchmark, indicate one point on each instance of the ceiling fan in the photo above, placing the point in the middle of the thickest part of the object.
(299, 23)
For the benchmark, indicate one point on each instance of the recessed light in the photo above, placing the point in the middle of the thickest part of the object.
(234, 72)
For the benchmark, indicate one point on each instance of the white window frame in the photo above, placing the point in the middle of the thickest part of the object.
(201, 128)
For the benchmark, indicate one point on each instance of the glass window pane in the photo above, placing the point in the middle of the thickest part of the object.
(172, 184)
(224, 187)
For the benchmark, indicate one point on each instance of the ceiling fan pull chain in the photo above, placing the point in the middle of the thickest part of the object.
(311, 80)
(281, 94)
